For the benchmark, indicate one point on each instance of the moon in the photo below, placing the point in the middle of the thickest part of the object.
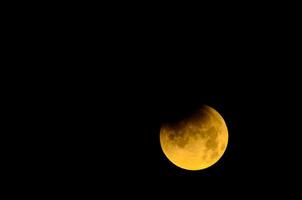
(196, 142)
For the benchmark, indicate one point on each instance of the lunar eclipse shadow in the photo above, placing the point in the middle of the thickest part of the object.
(179, 109)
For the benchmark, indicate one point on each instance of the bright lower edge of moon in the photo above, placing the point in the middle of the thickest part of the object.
(197, 142)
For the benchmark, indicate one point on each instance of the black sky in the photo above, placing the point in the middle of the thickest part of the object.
(122, 116)
(114, 108)
(93, 93)
(254, 103)
(109, 119)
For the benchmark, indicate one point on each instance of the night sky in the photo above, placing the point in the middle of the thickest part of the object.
(257, 109)
(124, 116)
(116, 110)
(101, 90)
(109, 127)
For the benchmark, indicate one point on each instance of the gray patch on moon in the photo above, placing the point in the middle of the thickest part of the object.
(214, 155)
(222, 147)
(202, 134)
(212, 138)
(182, 141)
(178, 138)
(195, 133)
(171, 136)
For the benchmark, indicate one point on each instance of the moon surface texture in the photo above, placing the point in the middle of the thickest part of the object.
(196, 142)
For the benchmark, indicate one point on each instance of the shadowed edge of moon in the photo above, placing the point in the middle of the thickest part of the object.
(209, 129)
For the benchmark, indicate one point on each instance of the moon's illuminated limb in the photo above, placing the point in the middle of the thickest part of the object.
(197, 142)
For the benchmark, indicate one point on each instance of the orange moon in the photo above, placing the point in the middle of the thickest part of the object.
(196, 142)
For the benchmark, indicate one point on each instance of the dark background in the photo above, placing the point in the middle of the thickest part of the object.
(100, 100)
(113, 115)
(258, 97)
(259, 104)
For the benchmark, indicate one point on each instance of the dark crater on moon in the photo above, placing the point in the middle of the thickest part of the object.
(212, 138)
(176, 136)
